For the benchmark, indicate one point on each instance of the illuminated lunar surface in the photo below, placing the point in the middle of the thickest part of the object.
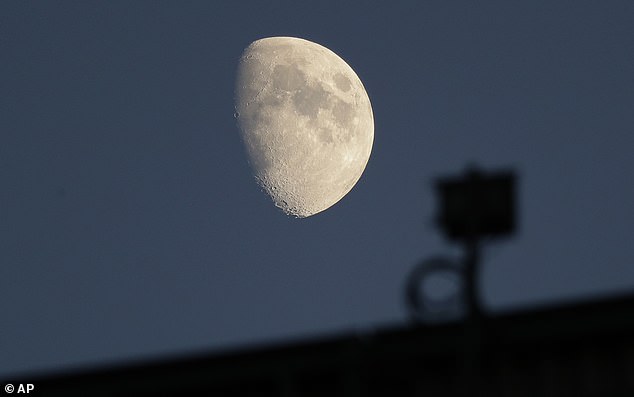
(305, 120)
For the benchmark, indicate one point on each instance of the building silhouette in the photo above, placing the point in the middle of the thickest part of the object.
(580, 350)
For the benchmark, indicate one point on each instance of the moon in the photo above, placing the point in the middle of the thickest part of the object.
(305, 120)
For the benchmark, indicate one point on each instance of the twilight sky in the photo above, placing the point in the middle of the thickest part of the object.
(130, 224)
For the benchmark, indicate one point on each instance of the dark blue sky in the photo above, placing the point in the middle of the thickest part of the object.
(131, 227)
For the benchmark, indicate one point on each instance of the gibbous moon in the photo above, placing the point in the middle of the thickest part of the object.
(305, 120)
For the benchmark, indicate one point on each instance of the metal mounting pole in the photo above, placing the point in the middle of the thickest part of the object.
(473, 324)
(472, 259)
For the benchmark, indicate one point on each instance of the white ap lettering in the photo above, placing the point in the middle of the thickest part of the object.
(25, 388)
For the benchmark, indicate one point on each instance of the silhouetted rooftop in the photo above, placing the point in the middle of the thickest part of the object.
(584, 349)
